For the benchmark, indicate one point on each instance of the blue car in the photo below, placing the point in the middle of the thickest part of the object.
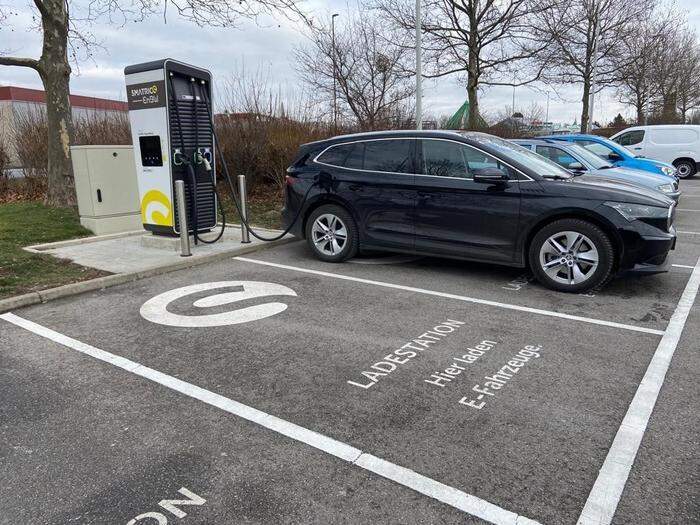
(617, 155)
(580, 160)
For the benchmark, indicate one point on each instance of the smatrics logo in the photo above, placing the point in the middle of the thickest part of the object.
(145, 91)
(146, 95)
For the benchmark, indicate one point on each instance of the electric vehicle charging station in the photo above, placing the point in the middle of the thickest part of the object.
(170, 115)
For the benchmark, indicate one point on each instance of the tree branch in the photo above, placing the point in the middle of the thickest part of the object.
(18, 61)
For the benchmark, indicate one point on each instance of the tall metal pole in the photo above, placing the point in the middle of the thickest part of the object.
(245, 234)
(546, 116)
(591, 98)
(182, 215)
(419, 70)
(335, 75)
(513, 108)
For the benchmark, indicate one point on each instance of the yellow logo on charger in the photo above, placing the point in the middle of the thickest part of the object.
(156, 209)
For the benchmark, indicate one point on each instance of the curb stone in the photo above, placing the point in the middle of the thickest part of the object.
(100, 283)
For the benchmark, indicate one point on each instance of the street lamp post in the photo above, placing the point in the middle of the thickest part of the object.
(335, 76)
(419, 72)
(594, 75)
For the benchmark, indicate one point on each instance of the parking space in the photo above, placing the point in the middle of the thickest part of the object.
(414, 390)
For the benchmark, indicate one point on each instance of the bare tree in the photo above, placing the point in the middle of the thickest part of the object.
(64, 35)
(483, 42)
(674, 72)
(368, 71)
(578, 32)
(687, 72)
(637, 86)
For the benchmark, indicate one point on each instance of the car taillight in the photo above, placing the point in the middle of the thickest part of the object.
(289, 180)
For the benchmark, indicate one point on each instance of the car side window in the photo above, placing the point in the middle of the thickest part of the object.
(599, 149)
(630, 138)
(477, 160)
(443, 158)
(557, 155)
(392, 156)
(343, 155)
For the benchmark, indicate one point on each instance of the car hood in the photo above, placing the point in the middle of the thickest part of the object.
(622, 190)
(644, 178)
(656, 162)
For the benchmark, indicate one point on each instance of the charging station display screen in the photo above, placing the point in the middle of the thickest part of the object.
(151, 153)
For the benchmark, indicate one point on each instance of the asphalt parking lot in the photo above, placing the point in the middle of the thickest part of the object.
(275, 388)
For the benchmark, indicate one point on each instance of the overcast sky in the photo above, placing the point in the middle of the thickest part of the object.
(265, 47)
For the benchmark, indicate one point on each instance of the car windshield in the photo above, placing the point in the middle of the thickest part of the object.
(590, 157)
(523, 156)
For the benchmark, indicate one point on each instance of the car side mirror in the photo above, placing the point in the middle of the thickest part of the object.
(576, 166)
(489, 175)
(614, 156)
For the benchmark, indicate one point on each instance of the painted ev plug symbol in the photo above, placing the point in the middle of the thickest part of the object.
(156, 309)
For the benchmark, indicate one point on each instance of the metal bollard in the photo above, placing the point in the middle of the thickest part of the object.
(245, 234)
(182, 214)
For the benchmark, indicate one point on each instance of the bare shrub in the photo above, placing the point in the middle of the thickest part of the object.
(261, 129)
(102, 128)
(31, 144)
(30, 140)
(4, 163)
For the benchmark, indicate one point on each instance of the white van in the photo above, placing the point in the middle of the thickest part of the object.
(678, 144)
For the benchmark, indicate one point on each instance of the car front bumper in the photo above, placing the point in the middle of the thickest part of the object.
(647, 253)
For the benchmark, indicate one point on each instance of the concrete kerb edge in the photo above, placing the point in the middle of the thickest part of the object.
(41, 248)
(100, 283)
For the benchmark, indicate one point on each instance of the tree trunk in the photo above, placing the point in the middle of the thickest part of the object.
(585, 100)
(640, 113)
(472, 95)
(473, 85)
(55, 70)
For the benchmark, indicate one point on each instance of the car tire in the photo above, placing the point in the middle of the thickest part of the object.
(571, 255)
(685, 168)
(332, 234)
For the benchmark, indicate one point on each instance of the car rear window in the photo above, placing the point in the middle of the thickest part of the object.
(373, 155)
(343, 154)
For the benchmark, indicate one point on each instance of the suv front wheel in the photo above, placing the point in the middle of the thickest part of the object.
(571, 255)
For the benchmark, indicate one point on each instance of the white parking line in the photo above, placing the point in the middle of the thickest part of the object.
(607, 490)
(401, 475)
(459, 297)
(683, 266)
(688, 233)
(686, 209)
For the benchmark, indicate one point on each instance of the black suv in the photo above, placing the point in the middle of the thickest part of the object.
(473, 196)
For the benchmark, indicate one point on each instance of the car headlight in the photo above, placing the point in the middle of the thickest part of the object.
(632, 212)
(666, 188)
(668, 170)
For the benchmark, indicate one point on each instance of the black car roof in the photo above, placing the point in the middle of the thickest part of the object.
(366, 135)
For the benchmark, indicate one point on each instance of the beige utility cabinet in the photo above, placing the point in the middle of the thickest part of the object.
(106, 187)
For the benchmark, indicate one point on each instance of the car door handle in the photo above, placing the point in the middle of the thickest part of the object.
(424, 194)
(637, 148)
(355, 187)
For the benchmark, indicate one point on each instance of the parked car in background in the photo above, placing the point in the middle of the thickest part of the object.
(473, 196)
(616, 154)
(678, 144)
(579, 160)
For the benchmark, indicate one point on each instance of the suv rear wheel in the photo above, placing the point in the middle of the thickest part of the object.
(571, 255)
(331, 233)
